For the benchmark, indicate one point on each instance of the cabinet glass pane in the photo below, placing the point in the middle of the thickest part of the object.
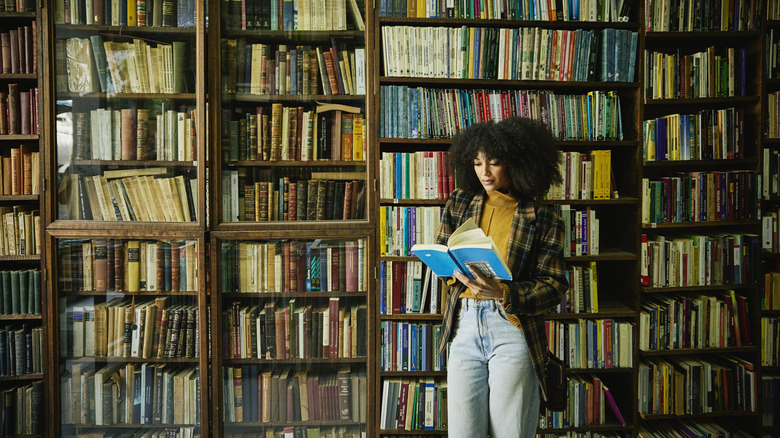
(129, 336)
(127, 136)
(293, 317)
(293, 125)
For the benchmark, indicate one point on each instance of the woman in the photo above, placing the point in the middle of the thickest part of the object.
(496, 359)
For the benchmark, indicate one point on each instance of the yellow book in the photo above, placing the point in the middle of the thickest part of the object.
(131, 11)
(382, 231)
(470, 71)
(594, 289)
(133, 259)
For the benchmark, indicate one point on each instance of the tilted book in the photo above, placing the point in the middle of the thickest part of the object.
(468, 246)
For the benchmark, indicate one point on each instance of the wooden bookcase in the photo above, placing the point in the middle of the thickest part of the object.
(22, 258)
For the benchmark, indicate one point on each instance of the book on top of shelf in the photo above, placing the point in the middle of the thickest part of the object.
(323, 107)
(467, 247)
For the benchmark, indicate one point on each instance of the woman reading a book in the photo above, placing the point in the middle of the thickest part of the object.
(496, 361)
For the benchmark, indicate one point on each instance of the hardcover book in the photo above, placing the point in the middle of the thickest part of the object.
(467, 247)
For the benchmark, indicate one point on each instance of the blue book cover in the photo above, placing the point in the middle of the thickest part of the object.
(308, 268)
(414, 111)
(404, 346)
(425, 352)
(467, 247)
(413, 353)
(476, 43)
(275, 15)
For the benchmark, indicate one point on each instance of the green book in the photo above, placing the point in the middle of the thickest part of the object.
(15, 308)
(179, 66)
(5, 285)
(23, 295)
(34, 290)
(99, 52)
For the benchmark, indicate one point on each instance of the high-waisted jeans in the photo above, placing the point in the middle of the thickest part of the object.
(491, 381)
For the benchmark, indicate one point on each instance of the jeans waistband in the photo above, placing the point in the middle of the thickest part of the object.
(469, 303)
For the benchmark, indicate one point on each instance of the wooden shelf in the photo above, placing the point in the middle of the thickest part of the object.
(652, 417)
(19, 76)
(291, 361)
(384, 432)
(129, 31)
(572, 25)
(264, 425)
(119, 359)
(439, 202)
(697, 289)
(589, 144)
(92, 293)
(273, 295)
(23, 317)
(505, 83)
(679, 165)
(610, 309)
(23, 377)
(411, 317)
(166, 96)
(606, 254)
(292, 163)
(703, 101)
(416, 374)
(134, 163)
(297, 98)
(19, 198)
(19, 137)
(16, 15)
(311, 36)
(614, 201)
(20, 258)
(699, 351)
(698, 37)
(708, 224)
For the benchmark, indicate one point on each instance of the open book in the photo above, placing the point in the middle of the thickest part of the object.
(467, 246)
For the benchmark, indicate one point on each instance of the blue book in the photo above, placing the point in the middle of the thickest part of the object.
(308, 268)
(275, 15)
(413, 343)
(467, 247)
(288, 15)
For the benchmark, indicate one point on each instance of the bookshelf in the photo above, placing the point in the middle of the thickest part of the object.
(690, 86)
(292, 233)
(129, 299)
(23, 334)
(422, 105)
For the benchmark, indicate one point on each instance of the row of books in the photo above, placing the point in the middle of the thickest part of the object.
(594, 344)
(156, 133)
(770, 173)
(416, 175)
(534, 10)
(157, 13)
(770, 300)
(149, 197)
(121, 328)
(21, 350)
(285, 395)
(17, 6)
(689, 427)
(289, 15)
(590, 402)
(702, 321)
(770, 342)
(94, 65)
(267, 69)
(697, 75)
(134, 394)
(586, 175)
(325, 265)
(582, 295)
(22, 410)
(19, 111)
(19, 49)
(702, 197)
(686, 386)
(417, 112)
(21, 231)
(302, 200)
(293, 330)
(113, 265)
(770, 52)
(701, 15)
(400, 228)
(408, 287)
(581, 231)
(20, 172)
(773, 115)
(770, 389)
(528, 53)
(413, 404)
(406, 346)
(21, 292)
(700, 260)
(705, 135)
(289, 133)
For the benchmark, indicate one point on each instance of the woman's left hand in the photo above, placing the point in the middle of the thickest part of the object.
(483, 287)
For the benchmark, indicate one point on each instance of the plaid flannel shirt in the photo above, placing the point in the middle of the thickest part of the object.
(535, 258)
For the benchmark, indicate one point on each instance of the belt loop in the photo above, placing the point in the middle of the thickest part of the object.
(466, 303)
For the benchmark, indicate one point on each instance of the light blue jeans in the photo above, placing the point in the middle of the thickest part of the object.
(490, 376)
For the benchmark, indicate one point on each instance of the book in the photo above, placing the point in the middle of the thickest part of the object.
(467, 247)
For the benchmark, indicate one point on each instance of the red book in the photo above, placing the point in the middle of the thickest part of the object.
(13, 109)
(333, 323)
(352, 266)
(101, 265)
(14, 51)
(396, 286)
(24, 112)
(175, 267)
(119, 265)
(333, 254)
(402, 401)
(285, 268)
(129, 132)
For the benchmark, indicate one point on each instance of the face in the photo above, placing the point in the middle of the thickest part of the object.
(491, 173)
